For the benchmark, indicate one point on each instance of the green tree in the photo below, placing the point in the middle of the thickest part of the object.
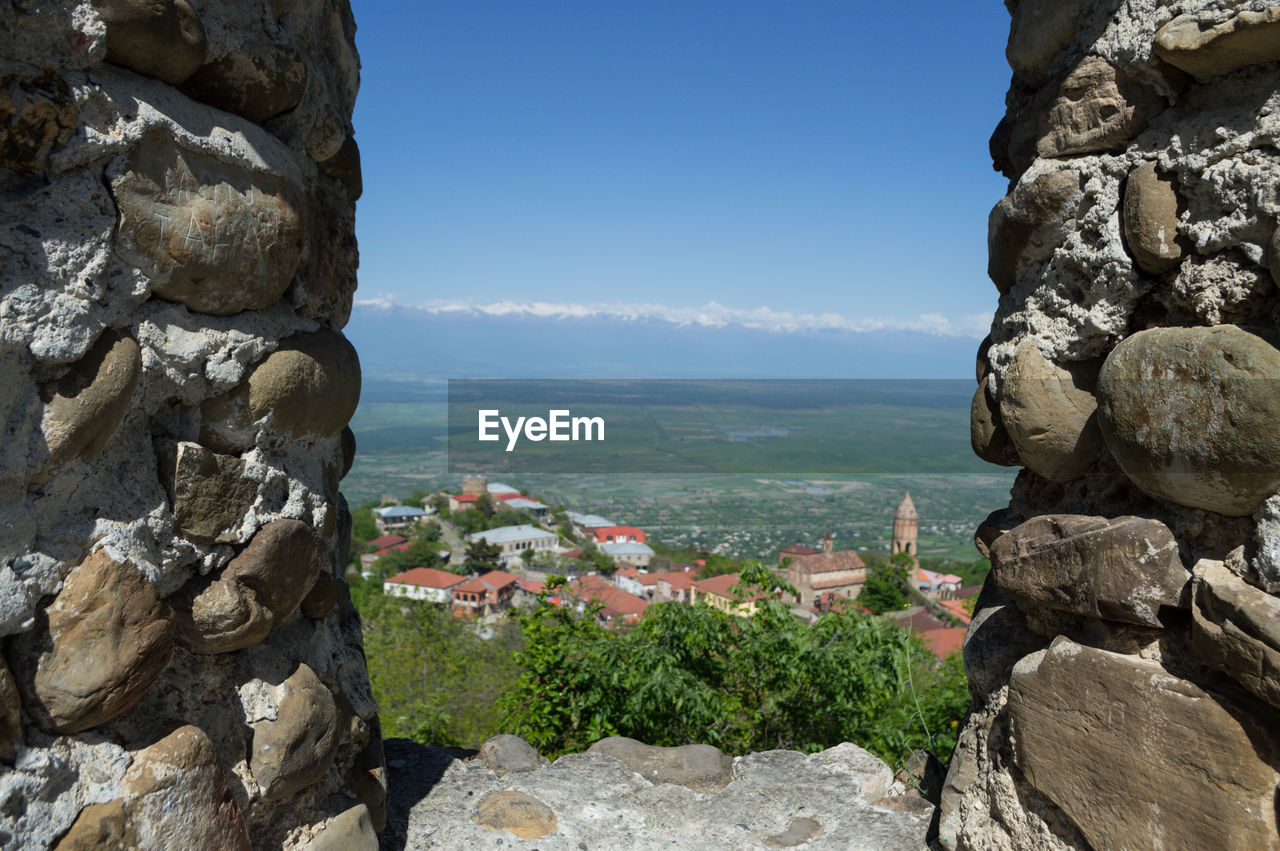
(417, 554)
(694, 674)
(885, 588)
(482, 556)
(363, 527)
(443, 697)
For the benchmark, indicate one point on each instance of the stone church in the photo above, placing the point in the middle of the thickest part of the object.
(828, 573)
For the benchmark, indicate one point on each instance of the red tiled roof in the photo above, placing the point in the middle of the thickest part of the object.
(492, 581)
(647, 578)
(602, 533)
(387, 541)
(533, 586)
(918, 622)
(956, 607)
(945, 641)
(676, 579)
(827, 562)
(615, 600)
(466, 497)
(717, 584)
(506, 496)
(630, 571)
(426, 577)
(388, 550)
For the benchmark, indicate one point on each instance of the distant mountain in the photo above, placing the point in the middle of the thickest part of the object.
(414, 344)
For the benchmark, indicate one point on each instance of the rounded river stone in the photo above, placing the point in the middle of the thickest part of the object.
(1192, 415)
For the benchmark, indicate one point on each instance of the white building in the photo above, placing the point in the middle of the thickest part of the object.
(423, 583)
(632, 552)
(396, 516)
(514, 540)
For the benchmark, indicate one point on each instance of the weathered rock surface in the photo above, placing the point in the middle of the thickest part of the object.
(307, 387)
(89, 402)
(106, 640)
(1028, 224)
(1049, 413)
(1124, 569)
(259, 588)
(996, 524)
(996, 639)
(154, 249)
(1041, 30)
(515, 812)
(10, 713)
(280, 564)
(505, 753)
(598, 802)
(367, 778)
(1151, 275)
(1244, 39)
(702, 768)
(322, 597)
(1093, 108)
(213, 236)
(1190, 414)
(294, 750)
(181, 791)
(1151, 220)
(258, 80)
(98, 827)
(799, 832)
(987, 434)
(344, 167)
(1237, 630)
(158, 38)
(222, 617)
(210, 493)
(350, 830)
(1181, 769)
(37, 115)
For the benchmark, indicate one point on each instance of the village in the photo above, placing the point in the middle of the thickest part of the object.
(612, 570)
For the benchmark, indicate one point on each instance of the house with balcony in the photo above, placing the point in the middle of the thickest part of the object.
(485, 594)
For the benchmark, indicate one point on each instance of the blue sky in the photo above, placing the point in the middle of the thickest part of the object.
(798, 165)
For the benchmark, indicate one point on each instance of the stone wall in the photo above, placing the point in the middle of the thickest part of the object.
(177, 256)
(1125, 656)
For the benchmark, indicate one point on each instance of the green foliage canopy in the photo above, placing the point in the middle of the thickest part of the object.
(694, 674)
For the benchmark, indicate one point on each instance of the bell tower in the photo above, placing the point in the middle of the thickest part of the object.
(906, 530)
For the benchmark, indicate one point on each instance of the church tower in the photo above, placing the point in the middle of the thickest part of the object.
(906, 529)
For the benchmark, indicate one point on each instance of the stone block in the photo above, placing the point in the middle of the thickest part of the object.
(1151, 220)
(157, 38)
(515, 812)
(210, 234)
(1123, 569)
(1236, 630)
(1049, 413)
(82, 413)
(1192, 414)
(108, 637)
(1138, 758)
(297, 748)
(703, 768)
(1246, 38)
